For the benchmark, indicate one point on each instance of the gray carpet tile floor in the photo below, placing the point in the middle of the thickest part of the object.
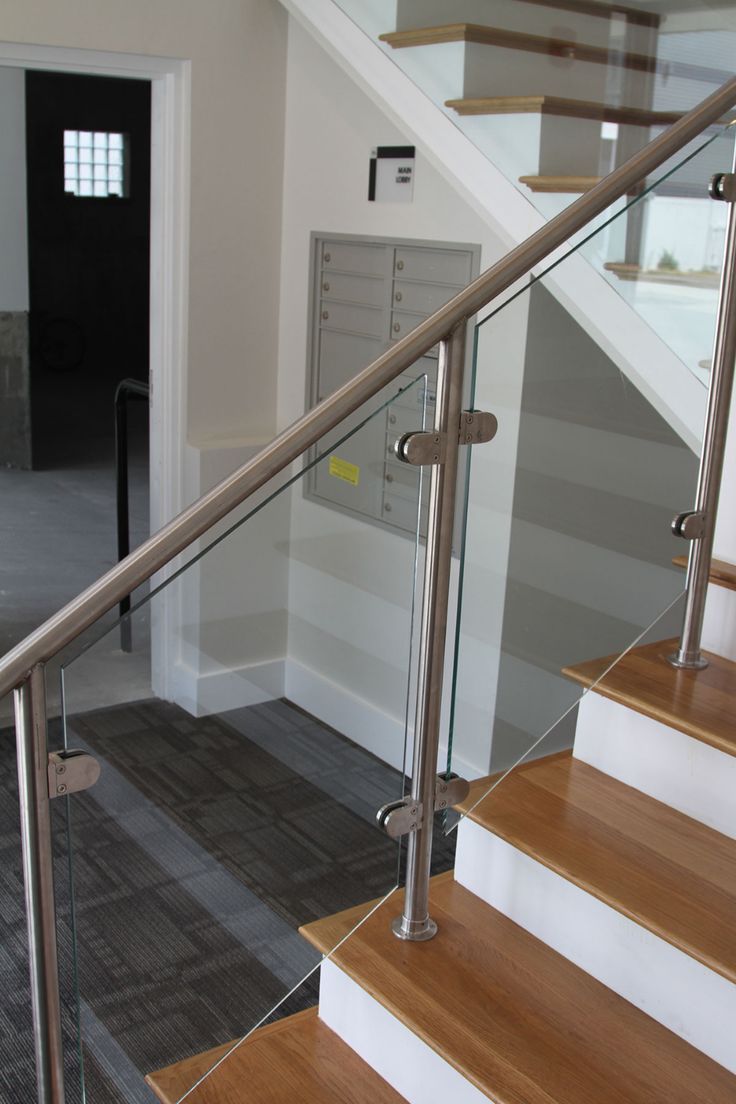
(203, 848)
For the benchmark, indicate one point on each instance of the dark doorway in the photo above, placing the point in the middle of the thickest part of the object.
(88, 257)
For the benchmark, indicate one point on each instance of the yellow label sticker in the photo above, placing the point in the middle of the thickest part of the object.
(343, 469)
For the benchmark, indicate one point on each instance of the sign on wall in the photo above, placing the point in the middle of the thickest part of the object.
(391, 177)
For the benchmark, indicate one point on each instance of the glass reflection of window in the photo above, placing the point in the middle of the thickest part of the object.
(94, 164)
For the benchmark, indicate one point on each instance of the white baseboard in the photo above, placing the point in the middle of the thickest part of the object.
(400, 1057)
(682, 994)
(360, 720)
(686, 774)
(218, 691)
(350, 715)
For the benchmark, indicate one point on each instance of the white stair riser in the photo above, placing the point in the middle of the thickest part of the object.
(719, 623)
(657, 760)
(688, 998)
(386, 1044)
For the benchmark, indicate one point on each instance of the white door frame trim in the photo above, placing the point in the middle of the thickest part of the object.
(169, 280)
(170, 146)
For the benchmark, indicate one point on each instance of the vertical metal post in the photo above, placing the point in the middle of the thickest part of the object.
(416, 923)
(35, 825)
(714, 442)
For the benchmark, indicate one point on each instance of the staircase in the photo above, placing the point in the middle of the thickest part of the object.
(586, 949)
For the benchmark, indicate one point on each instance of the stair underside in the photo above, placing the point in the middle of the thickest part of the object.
(518, 1020)
(721, 572)
(698, 703)
(558, 105)
(295, 1059)
(660, 868)
(516, 40)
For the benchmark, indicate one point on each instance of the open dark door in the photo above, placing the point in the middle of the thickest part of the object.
(88, 153)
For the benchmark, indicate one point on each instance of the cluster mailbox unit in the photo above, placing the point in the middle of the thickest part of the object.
(366, 294)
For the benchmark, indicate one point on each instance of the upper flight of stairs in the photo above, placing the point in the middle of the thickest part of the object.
(573, 67)
(587, 947)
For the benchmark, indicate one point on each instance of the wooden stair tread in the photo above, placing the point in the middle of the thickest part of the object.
(518, 1020)
(721, 572)
(560, 184)
(295, 1059)
(516, 40)
(559, 105)
(698, 703)
(667, 872)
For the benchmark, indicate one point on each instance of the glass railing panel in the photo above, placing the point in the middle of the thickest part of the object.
(568, 548)
(556, 731)
(663, 251)
(246, 743)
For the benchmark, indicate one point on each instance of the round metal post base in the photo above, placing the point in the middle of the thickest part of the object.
(414, 931)
(692, 662)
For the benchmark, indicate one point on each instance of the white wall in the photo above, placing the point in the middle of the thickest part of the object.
(237, 53)
(13, 239)
(350, 583)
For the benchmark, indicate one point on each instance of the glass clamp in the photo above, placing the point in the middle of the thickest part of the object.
(71, 772)
(723, 186)
(450, 789)
(689, 525)
(399, 818)
(420, 448)
(477, 427)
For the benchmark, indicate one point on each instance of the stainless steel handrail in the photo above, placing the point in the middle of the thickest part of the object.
(46, 641)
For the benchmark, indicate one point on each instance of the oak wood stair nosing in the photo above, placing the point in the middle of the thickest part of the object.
(563, 107)
(698, 703)
(551, 46)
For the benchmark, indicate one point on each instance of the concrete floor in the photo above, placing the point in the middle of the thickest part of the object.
(57, 535)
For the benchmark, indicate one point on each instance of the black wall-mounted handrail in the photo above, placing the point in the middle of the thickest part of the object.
(127, 389)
